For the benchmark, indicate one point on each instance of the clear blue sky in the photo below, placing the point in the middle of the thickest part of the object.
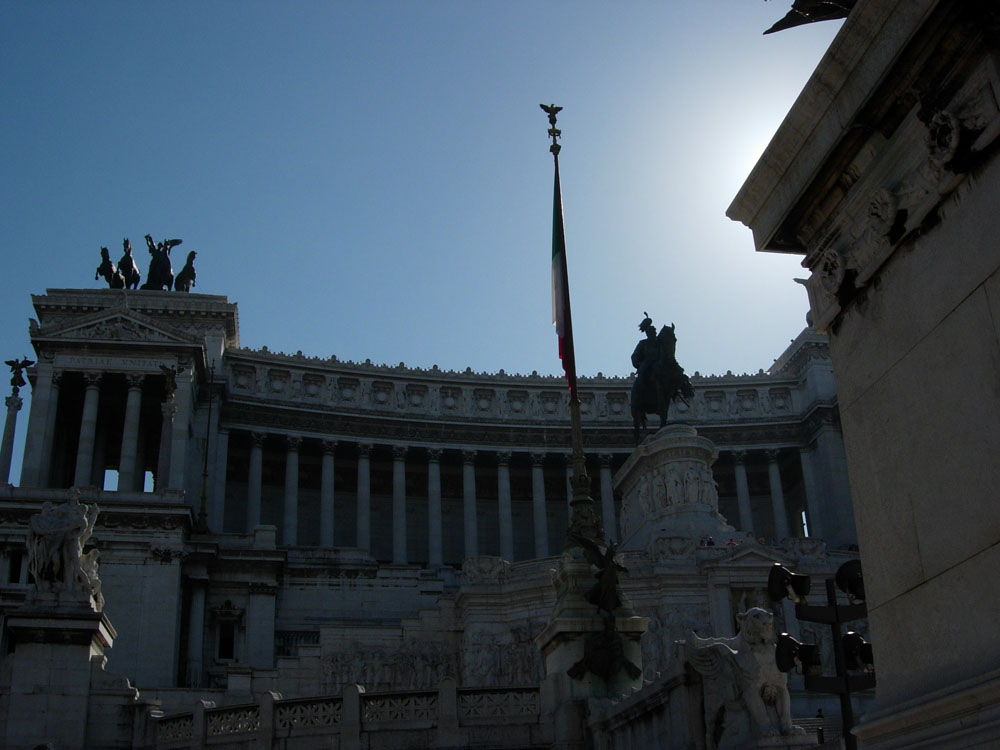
(372, 179)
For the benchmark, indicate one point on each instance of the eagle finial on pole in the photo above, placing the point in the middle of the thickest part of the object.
(552, 110)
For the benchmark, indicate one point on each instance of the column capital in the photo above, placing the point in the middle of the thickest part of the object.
(772, 455)
(503, 458)
(329, 446)
(740, 456)
(434, 454)
(14, 402)
(364, 450)
(258, 439)
(134, 380)
(468, 457)
(399, 452)
(92, 379)
(538, 458)
(292, 442)
(57, 377)
(605, 459)
(568, 460)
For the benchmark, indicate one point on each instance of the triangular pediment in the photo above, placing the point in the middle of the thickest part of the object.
(112, 326)
(747, 556)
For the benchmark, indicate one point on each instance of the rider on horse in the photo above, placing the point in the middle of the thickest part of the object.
(659, 379)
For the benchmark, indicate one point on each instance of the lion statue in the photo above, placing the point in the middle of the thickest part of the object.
(746, 695)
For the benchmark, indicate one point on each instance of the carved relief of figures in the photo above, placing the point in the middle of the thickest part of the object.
(675, 487)
(484, 569)
(692, 485)
(56, 537)
(709, 488)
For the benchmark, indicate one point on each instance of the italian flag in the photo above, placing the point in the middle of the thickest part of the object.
(561, 317)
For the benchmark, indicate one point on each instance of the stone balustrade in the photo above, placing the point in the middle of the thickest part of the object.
(446, 717)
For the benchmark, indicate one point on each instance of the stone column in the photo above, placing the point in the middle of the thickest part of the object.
(44, 468)
(504, 505)
(568, 459)
(255, 479)
(435, 552)
(364, 496)
(130, 435)
(813, 515)
(469, 503)
(196, 632)
(217, 510)
(168, 409)
(743, 491)
(326, 489)
(538, 505)
(777, 496)
(290, 537)
(608, 499)
(42, 415)
(399, 505)
(179, 437)
(14, 403)
(88, 428)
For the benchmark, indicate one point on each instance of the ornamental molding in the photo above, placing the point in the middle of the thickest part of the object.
(193, 314)
(113, 327)
(898, 187)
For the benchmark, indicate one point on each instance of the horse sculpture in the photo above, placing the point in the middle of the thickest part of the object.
(185, 279)
(109, 272)
(161, 274)
(660, 379)
(127, 267)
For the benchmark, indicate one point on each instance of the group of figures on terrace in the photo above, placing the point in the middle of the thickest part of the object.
(161, 274)
(56, 539)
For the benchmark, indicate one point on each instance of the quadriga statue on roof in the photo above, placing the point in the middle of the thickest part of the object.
(745, 694)
(56, 538)
(659, 379)
(161, 273)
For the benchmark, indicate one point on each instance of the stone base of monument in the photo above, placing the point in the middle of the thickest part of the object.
(576, 640)
(786, 742)
(668, 491)
(53, 645)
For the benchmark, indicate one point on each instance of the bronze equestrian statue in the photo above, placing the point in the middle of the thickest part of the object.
(659, 379)
(161, 274)
(109, 272)
(127, 267)
(185, 279)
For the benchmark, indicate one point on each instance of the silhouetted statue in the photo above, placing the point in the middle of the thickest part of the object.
(604, 593)
(127, 267)
(659, 379)
(811, 11)
(109, 272)
(185, 279)
(161, 274)
(17, 368)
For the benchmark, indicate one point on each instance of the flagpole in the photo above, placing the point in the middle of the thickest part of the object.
(584, 521)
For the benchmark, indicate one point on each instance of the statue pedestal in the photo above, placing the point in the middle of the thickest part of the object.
(51, 671)
(577, 635)
(668, 490)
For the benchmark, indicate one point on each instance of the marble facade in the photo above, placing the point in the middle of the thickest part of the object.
(382, 525)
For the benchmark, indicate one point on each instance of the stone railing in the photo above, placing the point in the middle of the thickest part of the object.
(446, 717)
